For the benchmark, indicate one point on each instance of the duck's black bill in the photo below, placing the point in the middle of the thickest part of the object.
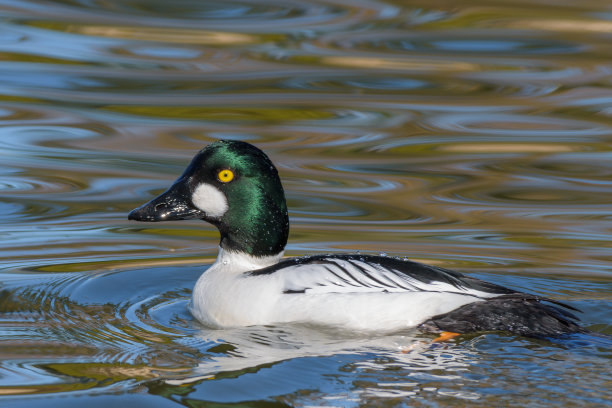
(169, 206)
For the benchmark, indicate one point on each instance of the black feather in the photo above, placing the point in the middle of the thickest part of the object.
(518, 313)
(509, 310)
(293, 292)
(418, 271)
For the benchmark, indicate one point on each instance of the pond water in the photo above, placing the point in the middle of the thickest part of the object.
(474, 135)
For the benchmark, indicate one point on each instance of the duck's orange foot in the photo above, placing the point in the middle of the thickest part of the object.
(445, 336)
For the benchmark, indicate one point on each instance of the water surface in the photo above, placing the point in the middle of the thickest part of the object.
(475, 136)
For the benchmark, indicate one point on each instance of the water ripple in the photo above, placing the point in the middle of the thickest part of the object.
(518, 125)
(286, 16)
(468, 42)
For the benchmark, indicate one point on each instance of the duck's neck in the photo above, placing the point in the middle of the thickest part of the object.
(259, 229)
(243, 262)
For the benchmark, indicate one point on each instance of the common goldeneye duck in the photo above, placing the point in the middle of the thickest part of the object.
(234, 186)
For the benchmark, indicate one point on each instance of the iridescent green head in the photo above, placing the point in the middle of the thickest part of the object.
(234, 186)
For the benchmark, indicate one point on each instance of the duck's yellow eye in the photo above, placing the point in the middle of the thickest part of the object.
(225, 176)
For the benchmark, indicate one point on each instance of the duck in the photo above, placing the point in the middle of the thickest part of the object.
(234, 186)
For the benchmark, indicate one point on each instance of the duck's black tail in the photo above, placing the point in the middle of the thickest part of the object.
(518, 313)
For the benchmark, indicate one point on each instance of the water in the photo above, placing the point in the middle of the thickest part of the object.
(475, 136)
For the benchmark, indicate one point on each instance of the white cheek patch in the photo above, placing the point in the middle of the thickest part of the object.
(210, 199)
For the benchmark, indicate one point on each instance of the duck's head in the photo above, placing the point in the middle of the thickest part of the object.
(234, 186)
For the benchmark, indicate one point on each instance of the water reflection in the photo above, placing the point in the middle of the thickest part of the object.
(274, 350)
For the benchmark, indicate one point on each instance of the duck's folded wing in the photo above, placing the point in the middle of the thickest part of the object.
(373, 274)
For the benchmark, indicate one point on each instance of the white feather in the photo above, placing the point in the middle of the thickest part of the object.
(223, 297)
(349, 277)
(350, 294)
(210, 199)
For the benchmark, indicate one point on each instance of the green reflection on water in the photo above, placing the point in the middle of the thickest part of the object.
(213, 113)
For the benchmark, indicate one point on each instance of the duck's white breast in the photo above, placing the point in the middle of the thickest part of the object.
(224, 297)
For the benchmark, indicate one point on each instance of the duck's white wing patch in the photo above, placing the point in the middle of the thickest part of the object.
(210, 200)
(354, 276)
